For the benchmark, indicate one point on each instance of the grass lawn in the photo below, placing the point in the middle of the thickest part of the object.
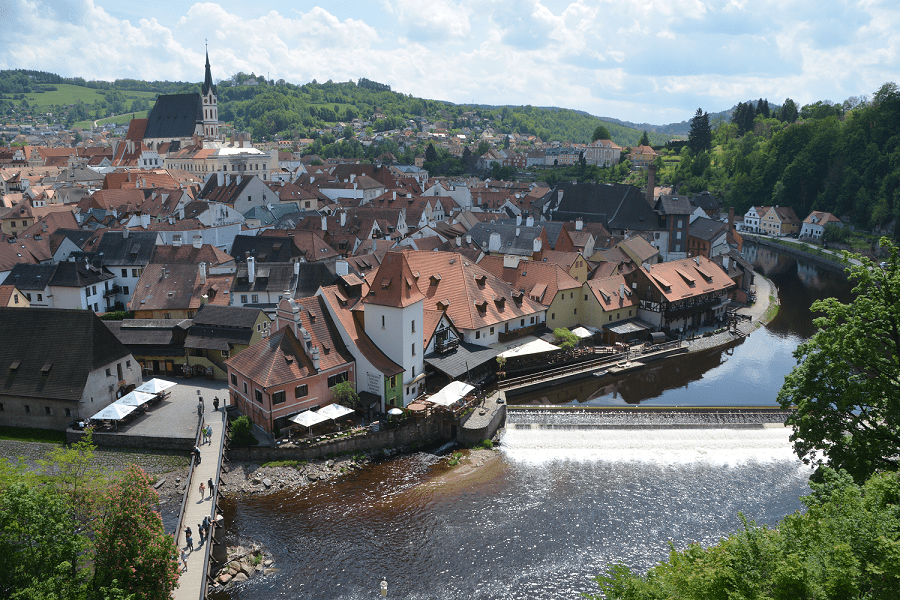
(118, 119)
(26, 434)
(66, 93)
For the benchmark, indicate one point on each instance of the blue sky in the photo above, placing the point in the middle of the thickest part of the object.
(651, 61)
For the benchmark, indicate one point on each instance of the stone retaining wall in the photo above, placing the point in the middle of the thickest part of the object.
(477, 427)
(433, 430)
(834, 265)
(122, 440)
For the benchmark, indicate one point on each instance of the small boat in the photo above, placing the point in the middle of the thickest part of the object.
(601, 373)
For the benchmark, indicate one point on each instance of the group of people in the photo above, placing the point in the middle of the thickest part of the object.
(203, 529)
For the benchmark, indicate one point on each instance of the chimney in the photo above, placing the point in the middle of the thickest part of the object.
(494, 242)
(343, 218)
(145, 221)
(374, 245)
(198, 242)
(324, 223)
(342, 267)
(538, 244)
(725, 261)
(297, 268)
(579, 224)
(203, 273)
(468, 239)
(518, 231)
(176, 242)
(315, 358)
(458, 241)
(519, 219)
(510, 262)
(251, 269)
(651, 183)
(124, 233)
(622, 291)
(529, 222)
(395, 195)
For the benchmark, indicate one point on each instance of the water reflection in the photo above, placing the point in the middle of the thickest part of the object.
(749, 373)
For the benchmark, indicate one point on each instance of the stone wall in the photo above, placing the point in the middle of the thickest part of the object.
(834, 265)
(119, 440)
(483, 422)
(434, 430)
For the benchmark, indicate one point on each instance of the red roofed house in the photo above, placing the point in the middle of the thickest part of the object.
(293, 369)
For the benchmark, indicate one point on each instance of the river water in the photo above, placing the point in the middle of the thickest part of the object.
(559, 505)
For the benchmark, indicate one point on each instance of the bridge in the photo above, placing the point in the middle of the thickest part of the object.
(192, 583)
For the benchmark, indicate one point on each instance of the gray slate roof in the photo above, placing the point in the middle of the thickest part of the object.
(510, 243)
(706, 229)
(617, 206)
(174, 116)
(71, 342)
(226, 316)
(674, 205)
(115, 249)
(265, 249)
(28, 277)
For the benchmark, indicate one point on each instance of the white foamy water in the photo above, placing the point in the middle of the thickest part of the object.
(537, 445)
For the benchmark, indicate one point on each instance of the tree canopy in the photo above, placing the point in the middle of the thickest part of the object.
(600, 133)
(700, 135)
(846, 545)
(846, 384)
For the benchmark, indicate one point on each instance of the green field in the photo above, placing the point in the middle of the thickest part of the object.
(118, 119)
(71, 94)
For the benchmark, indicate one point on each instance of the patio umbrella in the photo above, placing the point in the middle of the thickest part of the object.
(334, 411)
(395, 412)
(452, 393)
(134, 398)
(308, 418)
(113, 412)
(155, 386)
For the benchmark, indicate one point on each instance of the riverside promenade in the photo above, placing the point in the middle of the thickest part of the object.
(192, 582)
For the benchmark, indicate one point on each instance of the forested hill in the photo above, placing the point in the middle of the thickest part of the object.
(268, 108)
(843, 159)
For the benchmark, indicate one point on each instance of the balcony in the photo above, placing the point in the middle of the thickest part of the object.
(113, 290)
(445, 346)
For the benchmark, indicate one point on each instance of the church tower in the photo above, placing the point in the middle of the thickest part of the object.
(210, 105)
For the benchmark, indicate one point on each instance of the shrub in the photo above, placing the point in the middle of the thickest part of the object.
(567, 340)
(241, 432)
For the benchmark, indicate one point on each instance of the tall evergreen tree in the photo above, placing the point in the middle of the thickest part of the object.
(700, 135)
(645, 140)
(789, 111)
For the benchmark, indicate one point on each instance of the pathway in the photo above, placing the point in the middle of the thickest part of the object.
(190, 584)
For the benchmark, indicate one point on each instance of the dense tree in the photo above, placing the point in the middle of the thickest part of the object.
(430, 153)
(846, 383)
(700, 135)
(645, 139)
(846, 545)
(789, 112)
(600, 133)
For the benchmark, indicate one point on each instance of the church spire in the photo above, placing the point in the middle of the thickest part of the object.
(208, 82)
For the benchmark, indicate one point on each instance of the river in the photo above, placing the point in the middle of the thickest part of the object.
(560, 504)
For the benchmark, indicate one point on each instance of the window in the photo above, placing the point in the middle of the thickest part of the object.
(677, 235)
(678, 225)
(523, 323)
(395, 379)
(478, 335)
(278, 397)
(574, 312)
(382, 321)
(245, 387)
(233, 379)
(336, 379)
(532, 319)
(125, 289)
(124, 272)
(28, 295)
(1, 406)
(255, 298)
(553, 315)
(167, 315)
(127, 364)
(40, 297)
(585, 296)
(610, 317)
(27, 409)
(413, 326)
(492, 331)
(243, 298)
(225, 354)
(108, 373)
(413, 349)
(301, 391)
(47, 410)
(136, 272)
(94, 289)
(258, 395)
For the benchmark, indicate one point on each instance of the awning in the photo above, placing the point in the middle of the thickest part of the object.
(533, 347)
(466, 357)
(632, 326)
(582, 332)
(451, 393)
(113, 412)
(134, 398)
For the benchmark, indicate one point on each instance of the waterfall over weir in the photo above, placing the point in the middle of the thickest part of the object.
(659, 437)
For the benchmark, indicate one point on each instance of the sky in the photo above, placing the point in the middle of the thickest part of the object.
(647, 61)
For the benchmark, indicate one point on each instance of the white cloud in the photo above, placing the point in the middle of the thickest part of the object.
(654, 61)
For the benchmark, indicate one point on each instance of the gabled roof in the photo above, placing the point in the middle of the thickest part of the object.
(40, 344)
(227, 316)
(612, 292)
(177, 286)
(680, 279)
(674, 205)
(174, 116)
(115, 249)
(529, 275)
(514, 239)
(277, 247)
(707, 229)
(188, 254)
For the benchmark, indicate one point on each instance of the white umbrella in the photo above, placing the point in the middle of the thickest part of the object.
(452, 393)
(155, 386)
(395, 412)
(308, 418)
(134, 398)
(334, 411)
(113, 412)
